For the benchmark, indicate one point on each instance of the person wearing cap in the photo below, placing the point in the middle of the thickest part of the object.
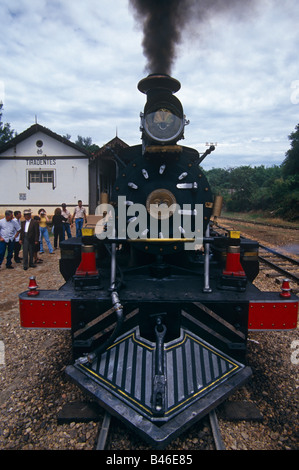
(66, 223)
(9, 230)
(29, 238)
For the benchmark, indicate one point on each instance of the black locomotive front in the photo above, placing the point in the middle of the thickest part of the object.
(176, 335)
(158, 302)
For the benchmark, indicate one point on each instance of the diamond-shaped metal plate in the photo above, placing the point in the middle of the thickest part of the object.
(192, 369)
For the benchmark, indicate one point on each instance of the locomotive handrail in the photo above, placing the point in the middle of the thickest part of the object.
(118, 309)
(119, 322)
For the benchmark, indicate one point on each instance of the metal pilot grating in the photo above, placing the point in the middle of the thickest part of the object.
(192, 369)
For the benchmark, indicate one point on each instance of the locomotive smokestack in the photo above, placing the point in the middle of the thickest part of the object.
(159, 82)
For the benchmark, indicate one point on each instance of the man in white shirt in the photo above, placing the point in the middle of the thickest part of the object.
(66, 224)
(9, 230)
(79, 215)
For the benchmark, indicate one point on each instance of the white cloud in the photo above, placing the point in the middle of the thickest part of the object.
(76, 66)
(242, 81)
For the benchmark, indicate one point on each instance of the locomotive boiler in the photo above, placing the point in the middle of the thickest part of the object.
(158, 302)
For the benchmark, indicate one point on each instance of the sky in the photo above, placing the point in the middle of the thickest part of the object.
(74, 67)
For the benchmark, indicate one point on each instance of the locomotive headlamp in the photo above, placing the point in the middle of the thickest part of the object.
(163, 125)
(163, 119)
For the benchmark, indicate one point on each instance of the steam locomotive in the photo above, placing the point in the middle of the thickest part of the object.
(158, 302)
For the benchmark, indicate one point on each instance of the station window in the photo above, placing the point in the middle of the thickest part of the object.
(41, 176)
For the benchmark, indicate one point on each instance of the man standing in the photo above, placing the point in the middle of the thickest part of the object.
(29, 238)
(17, 247)
(66, 229)
(9, 230)
(79, 215)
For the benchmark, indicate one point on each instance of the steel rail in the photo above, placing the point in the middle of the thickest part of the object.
(104, 432)
(273, 265)
(252, 222)
(279, 269)
(283, 271)
(280, 255)
(216, 431)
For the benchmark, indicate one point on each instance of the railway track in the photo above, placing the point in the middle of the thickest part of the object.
(105, 426)
(219, 444)
(284, 265)
(280, 264)
(253, 222)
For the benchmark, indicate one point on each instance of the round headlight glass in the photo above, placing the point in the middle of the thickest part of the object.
(163, 125)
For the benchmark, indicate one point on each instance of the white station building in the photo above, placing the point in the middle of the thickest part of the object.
(39, 168)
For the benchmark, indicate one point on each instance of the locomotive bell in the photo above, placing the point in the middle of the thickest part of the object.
(163, 120)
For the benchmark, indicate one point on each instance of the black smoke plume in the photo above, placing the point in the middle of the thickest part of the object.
(164, 23)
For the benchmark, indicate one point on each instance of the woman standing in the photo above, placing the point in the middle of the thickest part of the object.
(43, 229)
(57, 221)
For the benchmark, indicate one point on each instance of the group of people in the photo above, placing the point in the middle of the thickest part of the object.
(30, 232)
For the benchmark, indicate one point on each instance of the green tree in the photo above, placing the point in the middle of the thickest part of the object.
(218, 179)
(273, 190)
(86, 143)
(6, 133)
(290, 165)
(242, 187)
